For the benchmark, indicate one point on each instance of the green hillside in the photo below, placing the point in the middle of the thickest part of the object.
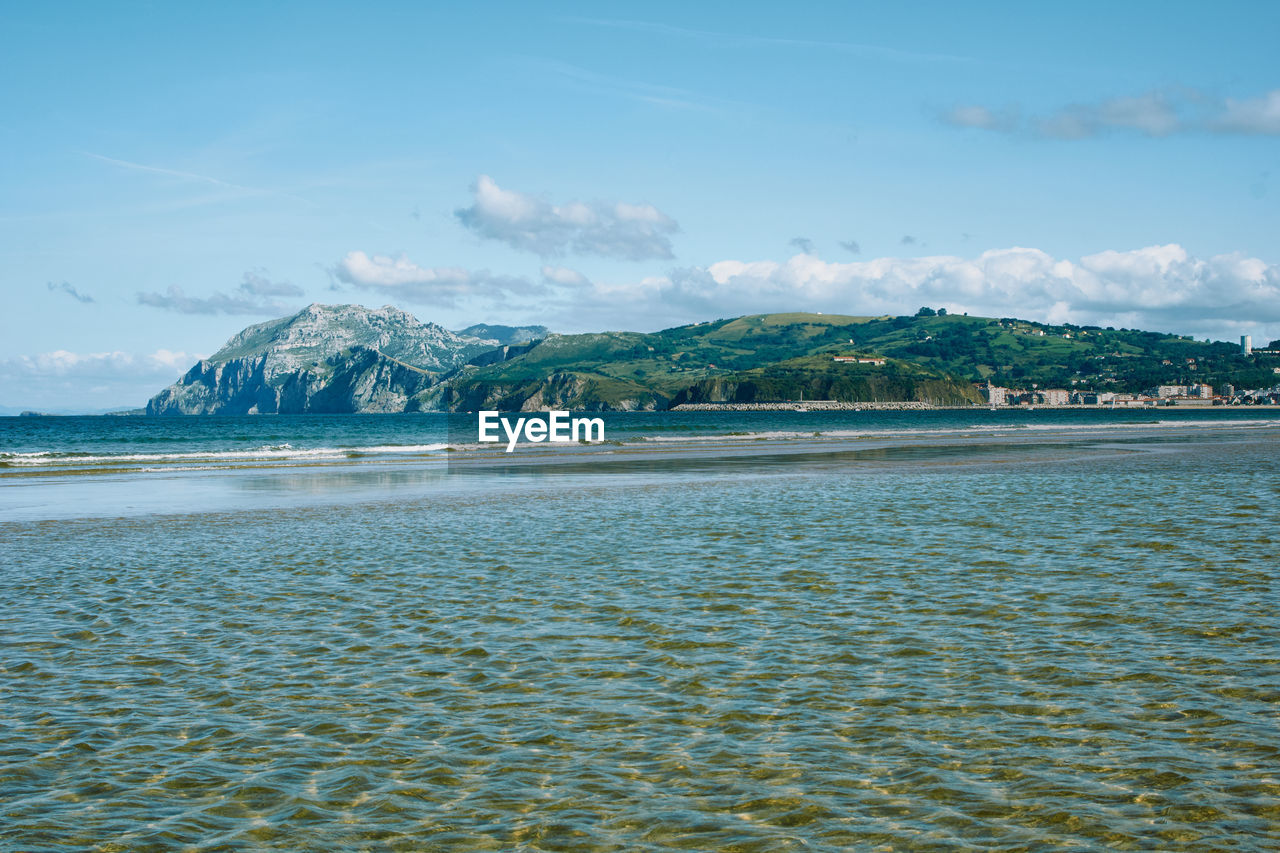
(637, 370)
(1018, 353)
(819, 377)
(780, 356)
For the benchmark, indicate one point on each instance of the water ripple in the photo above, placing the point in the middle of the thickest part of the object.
(1009, 657)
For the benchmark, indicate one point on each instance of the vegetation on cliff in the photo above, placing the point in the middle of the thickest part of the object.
(347, 358)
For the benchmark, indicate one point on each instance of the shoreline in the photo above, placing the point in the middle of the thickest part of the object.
(919, 406)
(543, 470)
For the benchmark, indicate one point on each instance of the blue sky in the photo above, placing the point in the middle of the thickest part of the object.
(170, 173)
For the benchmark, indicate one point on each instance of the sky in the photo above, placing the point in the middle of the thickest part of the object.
(170, 173)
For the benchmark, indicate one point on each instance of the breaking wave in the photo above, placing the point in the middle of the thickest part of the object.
(188, 459)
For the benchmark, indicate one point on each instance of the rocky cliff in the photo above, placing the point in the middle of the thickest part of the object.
(582, 392)
(324, 359)
(820, 379)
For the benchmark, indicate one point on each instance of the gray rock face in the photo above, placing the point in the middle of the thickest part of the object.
(560, 390)
(324, 359)
(506, 335)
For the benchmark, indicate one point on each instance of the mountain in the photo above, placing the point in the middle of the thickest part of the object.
(933, 356)
(352, 359)
(12, 411)
(638, 371)
(505, 335)
(324, 359)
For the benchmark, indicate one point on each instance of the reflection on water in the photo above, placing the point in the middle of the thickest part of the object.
(348, 482)
(80, 493)
(1050, 645)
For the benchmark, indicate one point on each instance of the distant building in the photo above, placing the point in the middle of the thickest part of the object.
(996, 395)
(1055, 396)
(1171, 391)
(1246, 345)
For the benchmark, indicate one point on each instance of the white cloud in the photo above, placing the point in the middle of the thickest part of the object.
(1155, 114)
(564, 276)
(443, 286)
(98, 364)
(611, 229)
(1252, 115)
(1159, 288)
(255, 295)
(62, 379)
(69, 289)
(974, 115)
(384, 271)
(257, 284)
(1152, 115)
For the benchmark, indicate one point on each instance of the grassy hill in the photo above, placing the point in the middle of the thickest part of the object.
(1018, 353)
(819, 377)
(781, 356)
(636, 370)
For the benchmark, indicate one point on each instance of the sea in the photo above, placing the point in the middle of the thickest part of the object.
(741, 631)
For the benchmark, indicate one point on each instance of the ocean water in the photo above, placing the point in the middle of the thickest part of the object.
(718, 631)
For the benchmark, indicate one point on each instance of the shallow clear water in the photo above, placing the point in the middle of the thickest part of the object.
(1062, 639)
(38, 446)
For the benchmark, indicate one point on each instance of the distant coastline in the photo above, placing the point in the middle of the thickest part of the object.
(814, 405)
(913, 405)
(337, 359)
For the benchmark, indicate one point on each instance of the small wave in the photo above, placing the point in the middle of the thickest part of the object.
(1223, 424)
(397, 448)
(730, 436)
(266, 453)
(787, 435)
(955, 430)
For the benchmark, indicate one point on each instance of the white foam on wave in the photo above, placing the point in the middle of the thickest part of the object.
(739, 436)
(1222, 424)
(267, 453)
(396, 448)
(287, 452)
(968, 429)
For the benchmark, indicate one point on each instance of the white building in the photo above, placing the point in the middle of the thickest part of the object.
(1246, 344)
(1055, 396)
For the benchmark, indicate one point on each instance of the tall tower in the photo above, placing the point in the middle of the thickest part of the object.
(1246, 345)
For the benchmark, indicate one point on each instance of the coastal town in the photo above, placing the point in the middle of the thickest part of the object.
(1196, 394)
(1083, 392)
(1162, 395)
